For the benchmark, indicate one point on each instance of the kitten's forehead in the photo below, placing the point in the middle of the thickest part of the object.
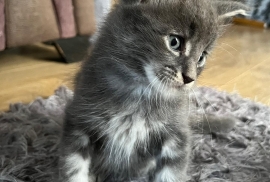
(187, 17)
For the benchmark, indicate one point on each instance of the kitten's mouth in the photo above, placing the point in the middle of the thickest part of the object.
(167, 79)
(170, 77)
(170, 81)
(173, 78)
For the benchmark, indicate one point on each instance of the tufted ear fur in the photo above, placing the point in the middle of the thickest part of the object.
(228, 9)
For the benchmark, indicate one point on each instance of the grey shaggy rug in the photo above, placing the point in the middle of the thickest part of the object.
(29, 137)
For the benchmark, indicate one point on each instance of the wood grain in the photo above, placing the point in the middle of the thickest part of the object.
(32, 71)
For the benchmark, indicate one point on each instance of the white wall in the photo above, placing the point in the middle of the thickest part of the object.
(102, 7)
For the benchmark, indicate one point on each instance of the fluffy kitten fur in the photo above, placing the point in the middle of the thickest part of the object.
(129, 119)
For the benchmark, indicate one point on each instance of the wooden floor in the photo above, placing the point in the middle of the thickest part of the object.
(240, 63)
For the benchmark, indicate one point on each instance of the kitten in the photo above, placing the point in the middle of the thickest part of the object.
(129, 119)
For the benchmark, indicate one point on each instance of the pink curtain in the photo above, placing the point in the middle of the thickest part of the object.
(29, 21)
(64, 10)
(84, 11)
(2, 25)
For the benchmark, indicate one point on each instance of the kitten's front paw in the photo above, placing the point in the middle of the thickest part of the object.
(212, 123)
(226, 123)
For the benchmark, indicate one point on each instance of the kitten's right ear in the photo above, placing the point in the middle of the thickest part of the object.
(227, 9)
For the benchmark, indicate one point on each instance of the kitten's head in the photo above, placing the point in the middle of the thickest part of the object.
(170, 39)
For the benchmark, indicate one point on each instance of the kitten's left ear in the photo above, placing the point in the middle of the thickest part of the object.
(227, 9)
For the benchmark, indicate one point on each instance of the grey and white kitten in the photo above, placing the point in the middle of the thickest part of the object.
(129, 119)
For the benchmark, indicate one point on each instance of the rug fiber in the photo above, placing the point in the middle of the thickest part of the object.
(30, 133)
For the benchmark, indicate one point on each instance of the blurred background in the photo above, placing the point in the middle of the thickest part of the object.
(42, 43)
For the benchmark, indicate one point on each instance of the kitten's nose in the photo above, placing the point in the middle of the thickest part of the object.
(187, 79)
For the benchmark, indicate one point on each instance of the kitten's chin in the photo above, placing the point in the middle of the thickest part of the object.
(173, 91)
(179, 88)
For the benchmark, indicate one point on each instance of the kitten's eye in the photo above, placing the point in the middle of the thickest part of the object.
(202, 60)
(176, 42)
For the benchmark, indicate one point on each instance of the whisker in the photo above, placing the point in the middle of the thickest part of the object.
(161, 91)
(220, 47)
(150, 94)
(189, 104)
(167, 94)
(144, 91)
(210, 104)
(158, 92)
(155, 91)
(229, 46)
(204, 114)
(197, 102)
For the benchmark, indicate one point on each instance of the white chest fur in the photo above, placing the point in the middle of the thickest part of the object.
(126, 131)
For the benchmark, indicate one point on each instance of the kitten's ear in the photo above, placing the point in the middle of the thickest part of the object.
(227, 9)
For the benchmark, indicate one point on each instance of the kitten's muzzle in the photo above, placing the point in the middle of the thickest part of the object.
(177, 77)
